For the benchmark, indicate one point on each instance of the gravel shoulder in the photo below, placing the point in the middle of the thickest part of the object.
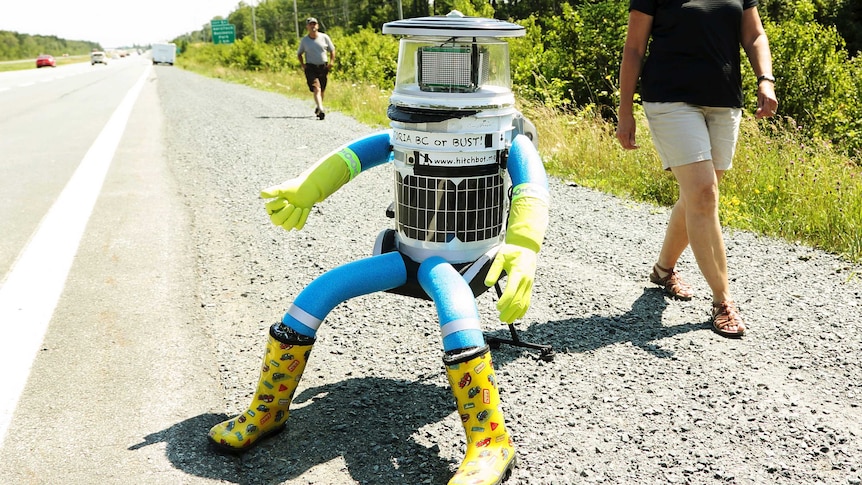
(640, 390)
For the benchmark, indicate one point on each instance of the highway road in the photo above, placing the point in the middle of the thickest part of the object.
(95, 260)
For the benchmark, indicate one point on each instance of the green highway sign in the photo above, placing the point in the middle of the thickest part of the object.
(222, 32)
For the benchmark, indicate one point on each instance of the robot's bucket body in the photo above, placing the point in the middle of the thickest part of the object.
(450, 188)
(452, 113)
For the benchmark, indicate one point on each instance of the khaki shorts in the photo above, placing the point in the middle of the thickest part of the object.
(684, 133)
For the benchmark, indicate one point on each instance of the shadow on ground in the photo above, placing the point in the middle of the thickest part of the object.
(366, 421)
(640, 326)
(370, 422)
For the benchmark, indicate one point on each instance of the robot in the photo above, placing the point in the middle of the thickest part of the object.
(460, 226)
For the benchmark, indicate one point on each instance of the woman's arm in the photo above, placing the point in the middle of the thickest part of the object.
(756, 46)
(637, 36)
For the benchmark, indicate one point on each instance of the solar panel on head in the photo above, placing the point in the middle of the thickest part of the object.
(447, 69)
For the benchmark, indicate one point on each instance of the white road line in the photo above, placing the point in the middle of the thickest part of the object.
(33, 286)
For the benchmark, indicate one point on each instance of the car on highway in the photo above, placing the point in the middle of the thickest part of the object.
(45, 60)
(97, 57)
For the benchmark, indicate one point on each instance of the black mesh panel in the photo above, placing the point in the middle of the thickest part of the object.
(437, 210)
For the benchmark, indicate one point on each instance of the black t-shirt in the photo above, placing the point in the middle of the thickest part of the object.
(694, 51)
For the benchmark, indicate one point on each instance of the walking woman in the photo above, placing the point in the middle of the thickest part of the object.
(691, 87)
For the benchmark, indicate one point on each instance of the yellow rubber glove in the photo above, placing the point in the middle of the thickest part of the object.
(520, 266)
(294, 198)
(528, 220)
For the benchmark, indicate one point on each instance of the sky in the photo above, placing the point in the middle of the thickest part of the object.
(112, 23)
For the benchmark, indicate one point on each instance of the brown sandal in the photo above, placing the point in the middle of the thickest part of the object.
(673, 285)
(725, 316)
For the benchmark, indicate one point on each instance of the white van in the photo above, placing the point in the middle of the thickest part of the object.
(98, 57)
(164, 54)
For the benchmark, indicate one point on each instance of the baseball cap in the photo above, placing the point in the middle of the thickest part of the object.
(310, 20)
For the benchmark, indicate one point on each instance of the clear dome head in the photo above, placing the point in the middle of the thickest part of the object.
(453, 65)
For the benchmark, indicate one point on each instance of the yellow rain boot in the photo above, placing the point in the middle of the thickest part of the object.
(490, 455)
(283, 363)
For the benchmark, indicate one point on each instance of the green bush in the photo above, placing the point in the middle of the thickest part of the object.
(561, 36)
(598, 53)
(817, 85)
(572, 60)
(244, 54)
(258, 56)
(527, 56)
(204, 54)
(366, 56)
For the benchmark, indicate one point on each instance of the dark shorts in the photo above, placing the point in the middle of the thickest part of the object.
(315, 76)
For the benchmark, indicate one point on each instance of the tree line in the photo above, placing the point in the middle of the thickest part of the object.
(570, 56)
(14, 46)
(275, 19)
(568, 60)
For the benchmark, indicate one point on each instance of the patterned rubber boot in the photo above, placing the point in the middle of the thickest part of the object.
(490, 456)
(283, 363)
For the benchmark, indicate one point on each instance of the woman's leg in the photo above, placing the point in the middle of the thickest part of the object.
(698, 187)
(675, 237)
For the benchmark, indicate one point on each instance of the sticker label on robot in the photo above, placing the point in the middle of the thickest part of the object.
(455, 159)
(449, 141)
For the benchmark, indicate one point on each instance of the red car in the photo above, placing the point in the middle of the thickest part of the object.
(45, 60)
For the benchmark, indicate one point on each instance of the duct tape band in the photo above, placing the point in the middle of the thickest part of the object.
(530, 190)
(352, 161)
(304, 317)
(459, 325)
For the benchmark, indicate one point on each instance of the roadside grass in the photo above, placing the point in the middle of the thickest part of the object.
(782, 184)
(361, 102)
(31, 63)
(17, 65)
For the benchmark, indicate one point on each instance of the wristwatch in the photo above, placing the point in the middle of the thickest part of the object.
(765, 77)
